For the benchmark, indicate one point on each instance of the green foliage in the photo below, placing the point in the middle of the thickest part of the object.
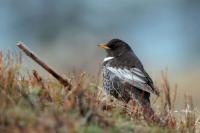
(91, 129)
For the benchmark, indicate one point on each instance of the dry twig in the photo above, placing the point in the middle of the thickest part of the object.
(45, 66)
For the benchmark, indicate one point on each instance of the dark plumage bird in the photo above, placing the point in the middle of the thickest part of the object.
(124, 76)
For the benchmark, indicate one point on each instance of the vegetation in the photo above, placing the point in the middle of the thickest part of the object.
(30, 103)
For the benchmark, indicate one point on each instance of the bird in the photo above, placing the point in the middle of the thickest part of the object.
(124, 76)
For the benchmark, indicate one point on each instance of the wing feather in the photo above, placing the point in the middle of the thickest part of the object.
(134, 77)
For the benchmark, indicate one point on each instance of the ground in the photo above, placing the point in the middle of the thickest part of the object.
(32, 103)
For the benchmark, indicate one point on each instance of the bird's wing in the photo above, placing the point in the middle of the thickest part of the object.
(135, 77)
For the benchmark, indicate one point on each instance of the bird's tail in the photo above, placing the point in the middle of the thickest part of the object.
(149, 114)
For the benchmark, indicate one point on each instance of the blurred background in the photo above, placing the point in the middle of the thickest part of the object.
(65, 33)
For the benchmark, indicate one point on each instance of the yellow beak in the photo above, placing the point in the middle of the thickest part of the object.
(104, 46)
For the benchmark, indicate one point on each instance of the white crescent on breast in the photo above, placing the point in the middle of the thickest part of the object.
(107, 59)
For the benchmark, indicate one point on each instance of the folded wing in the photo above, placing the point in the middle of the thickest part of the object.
(135, 77)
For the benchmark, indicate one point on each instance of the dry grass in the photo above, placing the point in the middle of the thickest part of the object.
(29, 103)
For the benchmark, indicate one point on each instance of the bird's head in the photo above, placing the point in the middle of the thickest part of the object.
(115, 47)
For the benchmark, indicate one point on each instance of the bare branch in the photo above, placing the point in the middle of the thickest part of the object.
(42, 64)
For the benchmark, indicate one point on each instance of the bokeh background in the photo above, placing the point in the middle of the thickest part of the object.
(64, 33)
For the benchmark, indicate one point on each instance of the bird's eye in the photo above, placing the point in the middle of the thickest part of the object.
(117, 45)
